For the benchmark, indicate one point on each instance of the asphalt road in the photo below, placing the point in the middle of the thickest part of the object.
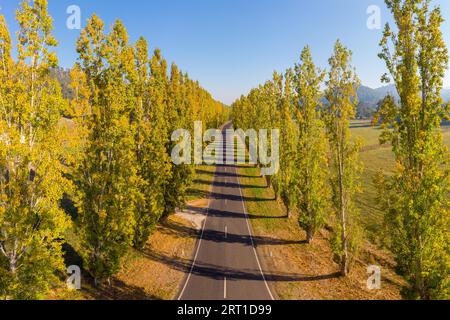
(226, 265)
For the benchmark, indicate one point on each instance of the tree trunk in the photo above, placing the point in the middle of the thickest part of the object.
(13, 265)
(419, 281)
(344, 265)
(309, 235)
(342, 211)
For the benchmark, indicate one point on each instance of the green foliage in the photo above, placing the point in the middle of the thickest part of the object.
(150, 139)
(288, 155)
(341, 105)
(31, 171)
(415, 198)
(107, 173)
(312, 171)
(309, 132)
(261, 110)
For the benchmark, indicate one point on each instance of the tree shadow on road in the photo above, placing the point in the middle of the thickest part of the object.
(219, 236)
(227, 184)
(231, 214)
(223, 174)
(218, 272)
(222, 196)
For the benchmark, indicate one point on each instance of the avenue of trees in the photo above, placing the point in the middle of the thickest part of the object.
(107, 148)
(114, 162)
(319, 167)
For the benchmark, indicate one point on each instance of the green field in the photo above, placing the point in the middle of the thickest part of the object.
(375, 158)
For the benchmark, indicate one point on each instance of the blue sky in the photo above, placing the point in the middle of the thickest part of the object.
(231, 46)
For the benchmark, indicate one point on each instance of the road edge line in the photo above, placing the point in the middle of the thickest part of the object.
(251, 237)
(199, 243)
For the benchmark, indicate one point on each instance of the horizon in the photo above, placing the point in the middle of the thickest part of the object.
(233, 46)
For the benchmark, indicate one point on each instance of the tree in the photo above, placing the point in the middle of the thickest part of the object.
(31, 172)
(273, 96)
(340, 109)
(415, 198)
(178, 118)
(152, 159)
(288, 154)
(159, 83)
(108, 172)
(311, 159)
(261, 110)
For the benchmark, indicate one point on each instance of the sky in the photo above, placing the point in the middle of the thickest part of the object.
(231, 46)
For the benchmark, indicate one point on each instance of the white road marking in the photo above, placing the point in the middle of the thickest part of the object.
(225, 288)
(251, 238)
(226, 232)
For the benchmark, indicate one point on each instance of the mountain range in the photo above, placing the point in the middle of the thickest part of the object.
(369, 98)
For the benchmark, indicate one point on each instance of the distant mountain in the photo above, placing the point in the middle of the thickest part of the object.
(63, 77)
(369, 98)
(373, 96)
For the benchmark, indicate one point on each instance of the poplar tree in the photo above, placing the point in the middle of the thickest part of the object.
(288, 141)
(416, 198)
(108, 173)
(152, 160)
(159, 83)
(178, 118)
(341, 88)
(31, 173)
(312, 173)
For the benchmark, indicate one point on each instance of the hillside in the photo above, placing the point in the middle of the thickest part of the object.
(369, 98)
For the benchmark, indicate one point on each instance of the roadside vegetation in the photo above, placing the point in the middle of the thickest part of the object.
(401, 201)
(298, 270)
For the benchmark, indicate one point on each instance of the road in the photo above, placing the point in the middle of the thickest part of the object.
(226, 264)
